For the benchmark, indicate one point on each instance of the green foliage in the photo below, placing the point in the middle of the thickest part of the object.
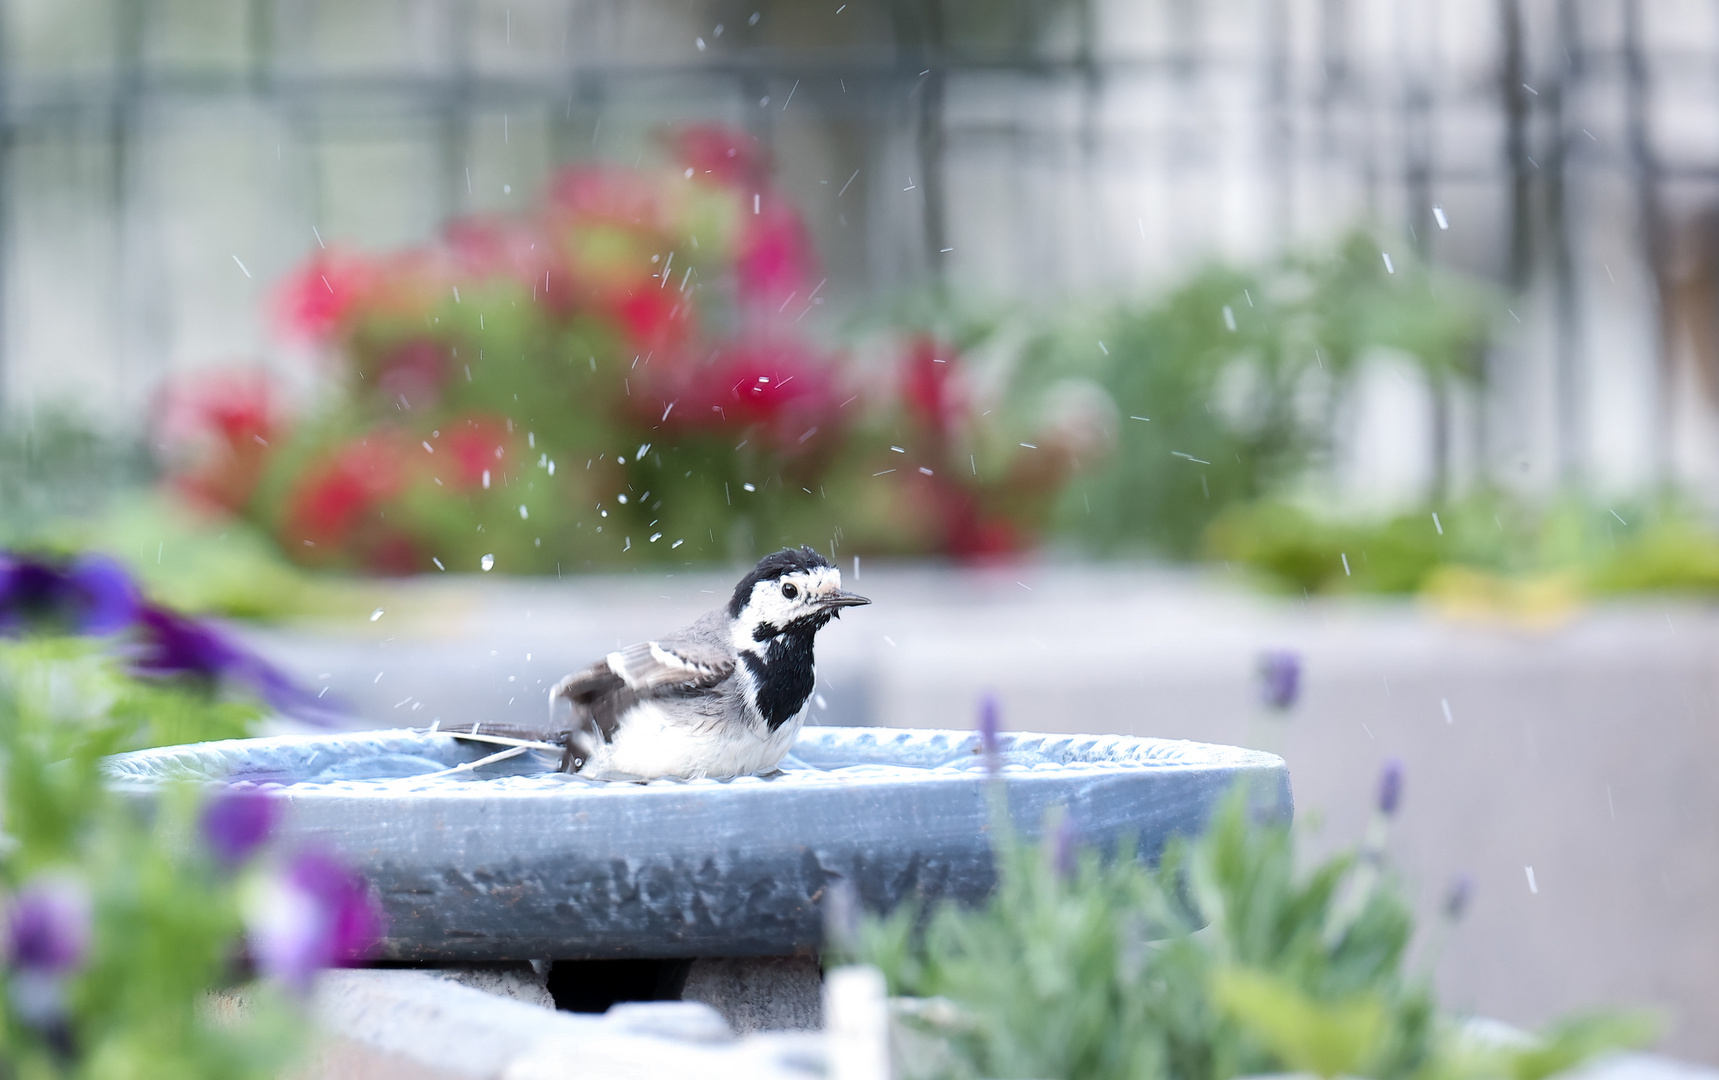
(54, 466)
(1223, 961)
(195, 561)
(1337, 1038)
(1237, 374)
(165, 916)
(1603, 550)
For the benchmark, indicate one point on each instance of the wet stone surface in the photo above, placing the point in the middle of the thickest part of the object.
(514, 861)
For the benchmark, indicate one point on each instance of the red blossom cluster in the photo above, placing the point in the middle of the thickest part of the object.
(632, 311)
(216, 430)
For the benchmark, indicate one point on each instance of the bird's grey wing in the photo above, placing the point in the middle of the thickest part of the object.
(683, 662)
(691, 660)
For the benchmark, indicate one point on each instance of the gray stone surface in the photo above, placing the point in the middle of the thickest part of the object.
(536, 863)
(1582, 744)
(683, 1021)
(760, 993)
(414, 1025)
(516, 980)
(1642, 1067)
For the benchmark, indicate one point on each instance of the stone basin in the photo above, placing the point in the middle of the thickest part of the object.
(515, 861)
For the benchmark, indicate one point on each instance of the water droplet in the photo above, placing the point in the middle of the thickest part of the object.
(487, 562)
(377, 614)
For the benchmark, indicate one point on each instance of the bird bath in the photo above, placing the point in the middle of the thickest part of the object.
(515, 861)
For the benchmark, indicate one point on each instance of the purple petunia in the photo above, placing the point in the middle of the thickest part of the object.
(1391, 787)
(107, 600)
(48, 926)
(1279, 678)
(174, 645)
(315, 914)
(94, 595)
(237, 822)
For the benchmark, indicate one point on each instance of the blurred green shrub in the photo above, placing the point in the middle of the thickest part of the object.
(1481, 543)
(56, 466)
(115, 931)
(1086, 966)
(1230, 383)
(118, 925)
(620, 375)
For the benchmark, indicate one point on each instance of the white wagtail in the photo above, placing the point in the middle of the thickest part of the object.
(724, 697)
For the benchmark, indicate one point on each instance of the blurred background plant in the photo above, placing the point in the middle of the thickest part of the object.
(1233, 380)
(618, 376)
(1483, 554)
(1227, 959)
(119, 926)
(537, 394)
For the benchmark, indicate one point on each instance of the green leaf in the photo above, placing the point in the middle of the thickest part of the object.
(1327, 1038)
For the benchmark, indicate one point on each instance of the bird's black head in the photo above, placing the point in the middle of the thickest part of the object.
(777, 609)
(774, 567)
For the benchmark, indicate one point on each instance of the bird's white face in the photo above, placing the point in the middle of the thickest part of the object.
(780, 601)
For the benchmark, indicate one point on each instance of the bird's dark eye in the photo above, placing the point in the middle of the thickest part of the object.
(789, 591)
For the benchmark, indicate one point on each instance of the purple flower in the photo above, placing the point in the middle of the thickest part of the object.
(237, 822)
(1065, 848)
(1279, 678)
(1461, 894)
(107, 599)
(990, 723)
(48, 926)
(31, 592)
(94, 596)
(316, 914)
(175, 645)
(1391, 786)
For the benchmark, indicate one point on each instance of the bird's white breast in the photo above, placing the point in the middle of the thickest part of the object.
(652, 741)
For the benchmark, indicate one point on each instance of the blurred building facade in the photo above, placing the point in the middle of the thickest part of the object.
(164, 161)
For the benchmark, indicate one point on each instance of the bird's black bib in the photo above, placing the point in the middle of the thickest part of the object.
(783, 675)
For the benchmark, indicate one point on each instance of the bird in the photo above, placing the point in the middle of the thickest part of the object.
(722, 698)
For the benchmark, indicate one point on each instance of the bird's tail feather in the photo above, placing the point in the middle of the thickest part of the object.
(503, 734)
(562, 740)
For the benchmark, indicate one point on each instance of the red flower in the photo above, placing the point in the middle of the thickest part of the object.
(490, 248)
(605, 194)
(773, 258)
(655, 319)
(333, 498)
(413, 372)
(216, 429)
(966, 528)
(477, 445)
(929, 387)
(315, 300)
(723, 154)
(779, 384)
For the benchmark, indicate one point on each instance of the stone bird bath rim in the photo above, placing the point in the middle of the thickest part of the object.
(516, 861)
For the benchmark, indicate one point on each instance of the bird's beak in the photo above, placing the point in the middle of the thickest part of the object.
(841, 599)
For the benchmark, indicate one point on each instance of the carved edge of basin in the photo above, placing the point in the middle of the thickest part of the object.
(540, 865)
